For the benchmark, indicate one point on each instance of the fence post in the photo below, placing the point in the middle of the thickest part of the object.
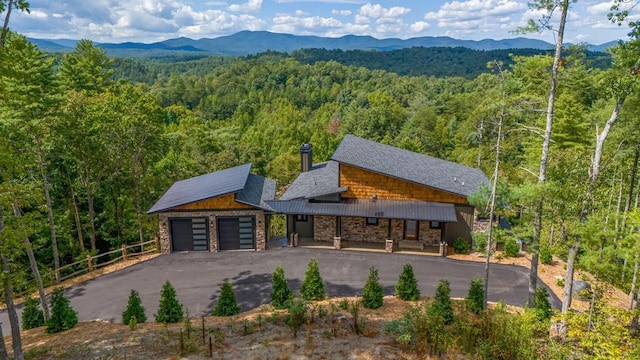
(124, 252)
(157, 239)
(89, 263)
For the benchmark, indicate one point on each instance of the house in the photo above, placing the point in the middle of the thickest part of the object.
(224, 210)
(372, 192)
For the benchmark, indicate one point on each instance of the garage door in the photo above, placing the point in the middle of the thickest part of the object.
(189, 234)
(236, 233)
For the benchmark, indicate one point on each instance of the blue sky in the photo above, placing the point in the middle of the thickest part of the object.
(157, 20)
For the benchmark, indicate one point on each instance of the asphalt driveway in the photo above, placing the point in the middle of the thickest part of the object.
(197, 278)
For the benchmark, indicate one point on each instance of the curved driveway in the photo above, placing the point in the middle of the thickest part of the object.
(197, 278)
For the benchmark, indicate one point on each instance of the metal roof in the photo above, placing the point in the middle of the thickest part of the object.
(257, 190)
(203, 187)
(384, 209)
(403, 164)
(321, 180)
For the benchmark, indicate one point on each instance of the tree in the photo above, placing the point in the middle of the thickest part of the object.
(134, 310)
(87, 68)
(63, 317)
(32, 316)
(312, 288)
(372, 294)
(407, 286)
(281, 295)
(227, 305)
(169, 310)
(441, 305)
(9, 5)
(475, 299)
(542, 308)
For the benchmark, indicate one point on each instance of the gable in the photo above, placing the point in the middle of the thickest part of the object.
(362, 184)
(223, 202)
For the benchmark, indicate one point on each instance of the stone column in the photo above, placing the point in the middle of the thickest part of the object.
(336, 242)
(388, 246)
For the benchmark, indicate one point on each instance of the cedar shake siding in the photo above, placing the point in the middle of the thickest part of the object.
(221, 202)
(362, 184)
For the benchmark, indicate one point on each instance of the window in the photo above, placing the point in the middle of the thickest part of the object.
(372, 221)
(301, 218)
(435, 225)
(411, 229)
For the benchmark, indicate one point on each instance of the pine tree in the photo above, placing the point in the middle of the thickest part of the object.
(227, 305)
(475, 299)
(63, 317)
(542, 308)
(372, 294)
(407, 285)
(134, 310)
(442, 303)
(169, 310)
(312, 286)
(32, 316)
(281, 296)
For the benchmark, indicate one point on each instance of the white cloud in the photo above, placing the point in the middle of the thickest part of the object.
(377, 11)
(249, 6)
(419, 26)
(341, 12)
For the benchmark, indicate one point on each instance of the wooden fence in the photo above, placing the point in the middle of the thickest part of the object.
(91, 262)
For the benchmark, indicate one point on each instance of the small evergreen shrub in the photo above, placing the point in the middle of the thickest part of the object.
(511, 247)
(372, 294)
(281, 296)
(479, 241)
(312, 286)
(296, 315)
(542, 308)
(63, 317)
(545, 255)
(461, 246)
(134, 310)
(169, 310)
(227, 305)
(407, 285)
(32, 316)
(475, 299)
(441, 306)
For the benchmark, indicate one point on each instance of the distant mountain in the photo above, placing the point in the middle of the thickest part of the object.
(253, 42)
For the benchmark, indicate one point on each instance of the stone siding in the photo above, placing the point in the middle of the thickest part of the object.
(165, 239)
(324, 228)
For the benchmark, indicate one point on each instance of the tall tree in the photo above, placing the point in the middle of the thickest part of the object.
(88, 68)
(8, 6)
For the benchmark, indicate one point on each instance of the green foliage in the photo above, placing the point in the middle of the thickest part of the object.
(407, 285)
(169, 309)
(542, 308)
(372, 294)
(63, 317)
(226, 305)
(441, 305)
(134, 310)
(461, 246)
(296, 315)
(511, 247)
(479, 241)
(32, 315)
(545, 255)
(312, 288)
(475, 298)
(281, 295)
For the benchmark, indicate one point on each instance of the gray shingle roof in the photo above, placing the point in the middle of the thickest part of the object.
(403, 164)
(321, 180)
(384, 209)
(251, 189)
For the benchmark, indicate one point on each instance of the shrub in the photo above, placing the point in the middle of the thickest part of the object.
(281, 296)
(63, 317)
(441, 306)
(545, 255)
(169, 310)
(312, 286)
(542, 309)
(32, 316)
(461, 246)
(134, 310)
(296, 315)
(475, 299)
(511, 247)
(227, 305)
(372, 294)
(407, 285)
(479, 241)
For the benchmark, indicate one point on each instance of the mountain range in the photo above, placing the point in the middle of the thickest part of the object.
(253, 42)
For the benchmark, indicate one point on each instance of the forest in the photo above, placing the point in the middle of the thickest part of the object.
(88, 142)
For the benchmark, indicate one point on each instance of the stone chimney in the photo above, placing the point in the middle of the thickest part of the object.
(306, 160)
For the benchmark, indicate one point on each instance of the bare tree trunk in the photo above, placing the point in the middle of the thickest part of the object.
(8, 299)
(480, 138)
(634, 281)
(5, 26)
(542, 177)
(34, 267)
(76, 217)
(52, 224)
(136, 168)
(3, 346)
(92, 220)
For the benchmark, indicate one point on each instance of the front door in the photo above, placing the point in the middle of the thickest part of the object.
(410, 229)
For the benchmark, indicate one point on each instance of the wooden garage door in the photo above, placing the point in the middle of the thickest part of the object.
(189, 234)
(236, 233)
